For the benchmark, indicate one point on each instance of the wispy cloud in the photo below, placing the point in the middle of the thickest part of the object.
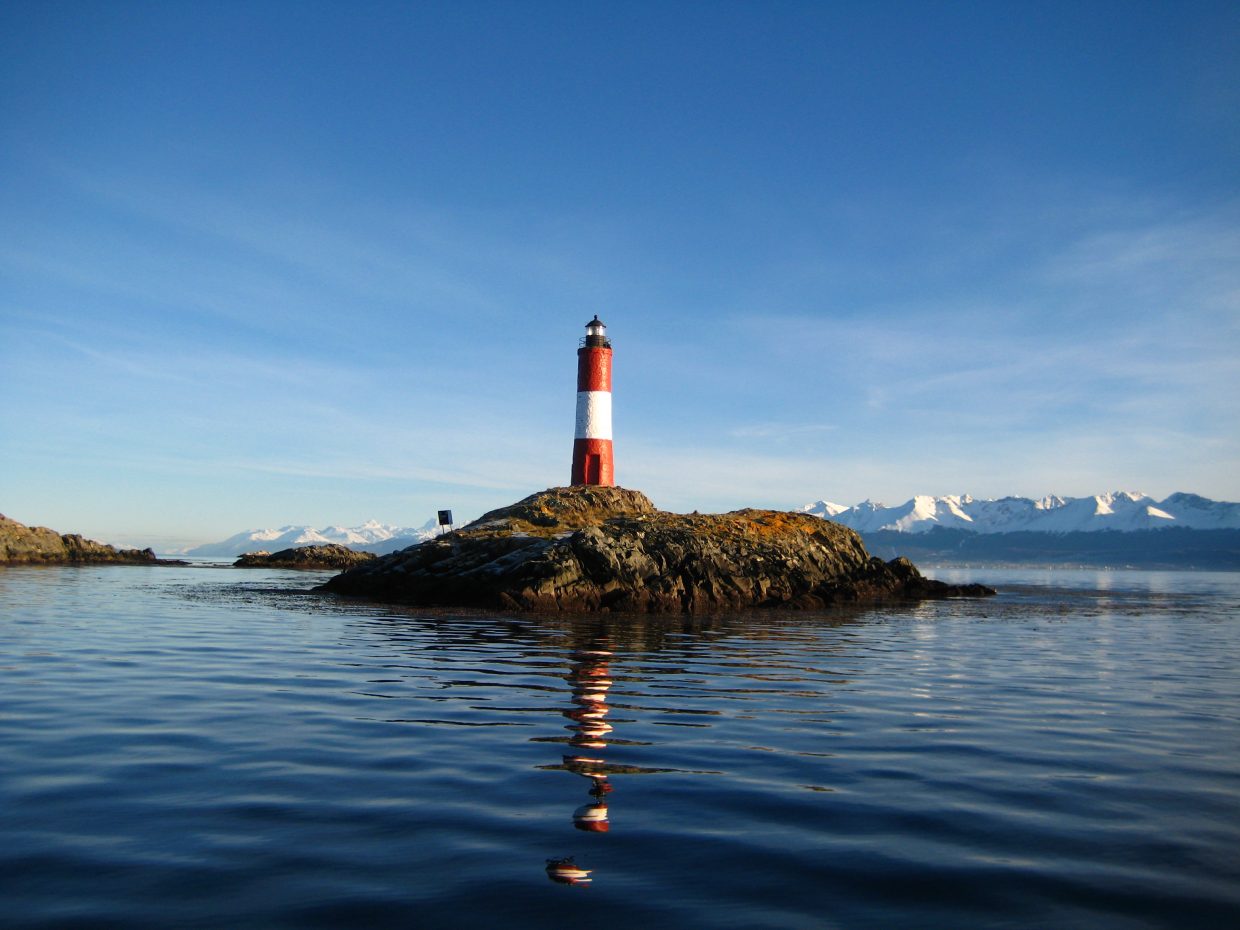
(779, 432)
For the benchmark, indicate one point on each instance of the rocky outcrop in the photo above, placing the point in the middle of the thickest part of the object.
(21, 544)
(609, 549)
(332, 555)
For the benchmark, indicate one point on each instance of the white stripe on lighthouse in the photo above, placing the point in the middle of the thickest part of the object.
(593, 415)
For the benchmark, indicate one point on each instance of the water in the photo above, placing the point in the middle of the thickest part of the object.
(193, 747)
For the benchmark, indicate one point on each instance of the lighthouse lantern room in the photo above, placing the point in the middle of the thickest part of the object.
(592, 451)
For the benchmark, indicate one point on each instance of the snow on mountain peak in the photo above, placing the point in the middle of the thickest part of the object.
(370, 535)
(823, 509)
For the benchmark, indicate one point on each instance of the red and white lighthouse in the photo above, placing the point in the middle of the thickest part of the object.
(592, 461)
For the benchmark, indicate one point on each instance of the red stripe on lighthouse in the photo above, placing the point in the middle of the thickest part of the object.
(593, 369)
(592, 462)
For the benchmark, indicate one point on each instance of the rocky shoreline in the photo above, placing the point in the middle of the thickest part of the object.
(601, 549)
(38, 545)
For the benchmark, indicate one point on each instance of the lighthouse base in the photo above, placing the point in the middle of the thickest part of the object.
(592, 463)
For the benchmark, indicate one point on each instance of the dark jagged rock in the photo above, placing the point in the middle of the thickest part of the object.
(332, 555)
(21, 544)
(609, 549)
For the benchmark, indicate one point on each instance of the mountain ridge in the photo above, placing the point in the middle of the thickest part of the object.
(371, 536)
(1123, 511)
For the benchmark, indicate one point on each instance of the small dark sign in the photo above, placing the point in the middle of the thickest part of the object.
(445, 518)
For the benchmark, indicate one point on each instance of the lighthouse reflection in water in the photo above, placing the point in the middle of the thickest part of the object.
(589, 678)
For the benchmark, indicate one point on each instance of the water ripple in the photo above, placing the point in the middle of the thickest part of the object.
(230, 751)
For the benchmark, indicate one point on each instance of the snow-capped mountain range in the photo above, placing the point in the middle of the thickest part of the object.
(1119, 510)
(372, 536)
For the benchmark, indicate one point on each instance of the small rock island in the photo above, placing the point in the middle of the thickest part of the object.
(21, 545)
(592, 548)
(331, 555)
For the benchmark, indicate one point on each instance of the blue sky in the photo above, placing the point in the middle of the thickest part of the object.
(269, 263)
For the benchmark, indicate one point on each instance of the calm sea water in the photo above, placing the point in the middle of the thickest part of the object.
(203, 747)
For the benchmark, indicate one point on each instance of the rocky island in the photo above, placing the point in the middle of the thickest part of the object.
(608, 549)
(331, 555)
(21, 544)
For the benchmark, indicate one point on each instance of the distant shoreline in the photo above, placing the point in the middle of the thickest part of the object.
(1170, 548)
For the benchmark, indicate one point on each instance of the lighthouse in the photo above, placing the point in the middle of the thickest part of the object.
(592, 457)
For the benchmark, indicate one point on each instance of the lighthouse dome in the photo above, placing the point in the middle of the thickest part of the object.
(596, 335)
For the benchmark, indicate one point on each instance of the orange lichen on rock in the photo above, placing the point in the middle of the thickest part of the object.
(555, 511)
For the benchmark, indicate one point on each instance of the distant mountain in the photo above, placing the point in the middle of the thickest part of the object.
(1122, 511)
(372, 536)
